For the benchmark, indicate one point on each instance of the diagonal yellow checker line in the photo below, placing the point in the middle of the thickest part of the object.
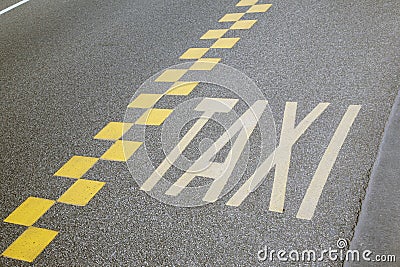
(29, 211)
(34, 240)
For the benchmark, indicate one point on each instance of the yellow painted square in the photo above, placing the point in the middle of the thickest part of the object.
(81, 192)
(154, 116)
(205, 64)
(113, 131)
(182, 88)
(231, 17)
(247, 2)
(214, 34)
(121, 150)
(29, 211)
(76, 167)
(243, 24)
(193, 53)
(145, 101)
(259, 8)
(225, 43)
(30, 244)
(171, 75)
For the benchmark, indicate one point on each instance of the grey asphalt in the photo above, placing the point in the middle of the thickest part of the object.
(377, 229)
(69, 67)
(7, 3)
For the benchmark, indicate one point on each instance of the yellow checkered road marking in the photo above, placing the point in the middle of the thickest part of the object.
(34, 240)
(76, 167)
(121, 150)
(231, 17)
(29, 211)
(30, 244)
(81, 192)
(113, 131)
(182, 88)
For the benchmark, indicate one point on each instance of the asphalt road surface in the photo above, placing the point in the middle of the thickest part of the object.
(68, 68)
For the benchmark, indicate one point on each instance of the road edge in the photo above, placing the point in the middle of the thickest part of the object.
(377, 228)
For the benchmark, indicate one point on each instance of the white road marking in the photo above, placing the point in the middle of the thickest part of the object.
(209, 106)
(314, 191)
(280, 157)
(13, 6)
(289, 135)
(221, 172)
